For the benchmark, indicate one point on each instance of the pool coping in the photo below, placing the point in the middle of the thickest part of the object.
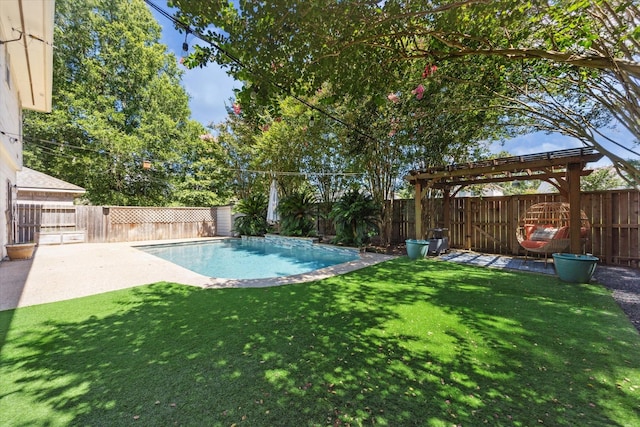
(68, 271)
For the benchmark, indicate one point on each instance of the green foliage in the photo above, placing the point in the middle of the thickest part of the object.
(254, 219)
(118, 101)
(202, 178)
(236, 137)
(601, 179)
(569, 66)
(521, 187)
(356, 216)
(403, 343)
(630, 181)
(288, 140)
(297, 214)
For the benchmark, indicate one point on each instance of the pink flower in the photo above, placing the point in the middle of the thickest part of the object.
(392, 132)
(207, 137)
(236, 108)
(393, 98)
(418, 92)
(429, 70)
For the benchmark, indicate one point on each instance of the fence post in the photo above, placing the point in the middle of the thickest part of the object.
(513, 223)
(468, 222)
(608, 227)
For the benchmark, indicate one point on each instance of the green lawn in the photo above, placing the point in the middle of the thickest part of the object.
(401, 343)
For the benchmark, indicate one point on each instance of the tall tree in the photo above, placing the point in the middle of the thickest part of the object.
(120, 123)
(581, 57)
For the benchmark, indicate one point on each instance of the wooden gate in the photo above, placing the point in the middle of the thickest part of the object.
(44, 223)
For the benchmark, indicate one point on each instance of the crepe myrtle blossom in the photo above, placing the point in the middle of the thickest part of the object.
(236, 108)
(418, 92)
(393, 98)
(207, 137)
(429, 70)
(394, 123)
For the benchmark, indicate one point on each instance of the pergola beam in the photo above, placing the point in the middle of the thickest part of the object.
(452, 171)
(441, 184)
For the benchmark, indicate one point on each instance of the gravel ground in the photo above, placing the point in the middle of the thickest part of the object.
(625, 285)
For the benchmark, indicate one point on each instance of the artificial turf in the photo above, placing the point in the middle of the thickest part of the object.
(401, 343)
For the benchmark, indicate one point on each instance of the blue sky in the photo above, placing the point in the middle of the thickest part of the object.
(210, 89)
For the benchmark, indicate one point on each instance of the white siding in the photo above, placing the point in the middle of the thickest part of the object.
(10, 143)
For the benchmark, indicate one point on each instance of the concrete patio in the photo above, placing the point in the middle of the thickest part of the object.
(61, 272)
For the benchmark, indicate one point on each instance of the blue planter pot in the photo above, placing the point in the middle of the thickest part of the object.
(417, 249)
(575, 268)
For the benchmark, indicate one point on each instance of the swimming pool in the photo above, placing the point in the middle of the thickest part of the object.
(249, 259)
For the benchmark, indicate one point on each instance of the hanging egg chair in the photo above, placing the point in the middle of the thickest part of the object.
(544, 228)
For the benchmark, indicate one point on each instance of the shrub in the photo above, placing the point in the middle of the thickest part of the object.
(356, 217)
(254, 220)
(296, 214)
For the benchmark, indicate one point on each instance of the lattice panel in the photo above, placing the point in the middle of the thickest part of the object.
(159, 215)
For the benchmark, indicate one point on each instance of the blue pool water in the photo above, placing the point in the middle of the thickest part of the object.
(239, 259)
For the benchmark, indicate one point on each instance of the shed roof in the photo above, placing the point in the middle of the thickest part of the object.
(31, 180)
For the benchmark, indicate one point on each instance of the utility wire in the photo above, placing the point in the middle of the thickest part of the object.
(50, 147)
(238, 62)
(299, 173)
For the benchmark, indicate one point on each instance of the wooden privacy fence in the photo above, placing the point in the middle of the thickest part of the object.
(484, 224)
(127, 224)
(116, 223)
(488, 224)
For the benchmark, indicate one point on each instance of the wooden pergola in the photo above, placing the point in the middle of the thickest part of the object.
(562, 169)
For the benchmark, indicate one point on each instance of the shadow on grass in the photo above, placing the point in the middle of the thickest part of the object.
(401, 343)
(13, 277)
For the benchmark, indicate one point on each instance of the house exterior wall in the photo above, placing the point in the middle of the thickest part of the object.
(10, 143)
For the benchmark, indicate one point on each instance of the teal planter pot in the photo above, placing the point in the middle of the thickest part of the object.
(417, 249)
(575, 268)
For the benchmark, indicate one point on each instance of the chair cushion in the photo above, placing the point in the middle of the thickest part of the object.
(528, 230)
(543, 234)
(533, 244)
(562, 233)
